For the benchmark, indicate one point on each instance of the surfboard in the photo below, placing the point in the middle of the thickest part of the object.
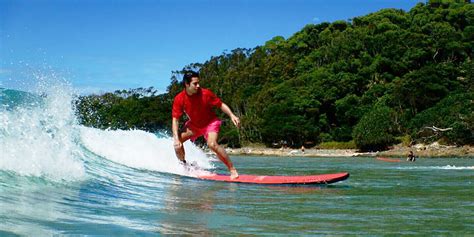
(272, 179)
(388, 159)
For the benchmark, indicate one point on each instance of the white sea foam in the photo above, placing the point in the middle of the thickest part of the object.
(140, 149)
(446, 167)
(453, 167)
(39, 140)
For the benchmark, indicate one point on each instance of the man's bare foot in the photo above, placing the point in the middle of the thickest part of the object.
(233, 174)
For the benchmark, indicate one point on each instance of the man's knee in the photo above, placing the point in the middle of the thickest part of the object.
(185, 135)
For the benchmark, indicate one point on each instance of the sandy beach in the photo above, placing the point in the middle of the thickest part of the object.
(420, 150)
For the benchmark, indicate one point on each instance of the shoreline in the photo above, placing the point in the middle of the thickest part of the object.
(434, 150)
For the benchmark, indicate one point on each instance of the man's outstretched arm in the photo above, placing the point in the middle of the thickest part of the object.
(232, 116)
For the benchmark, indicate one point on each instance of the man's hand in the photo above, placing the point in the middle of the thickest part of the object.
(177, 143)
(232, 116)
(235, 120)
(178, 147)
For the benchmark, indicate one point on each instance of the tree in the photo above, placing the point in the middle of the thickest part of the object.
(374, 130)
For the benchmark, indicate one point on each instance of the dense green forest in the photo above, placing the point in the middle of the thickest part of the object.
(374, 80)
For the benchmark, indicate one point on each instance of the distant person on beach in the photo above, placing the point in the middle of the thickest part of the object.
(411, 156)
(198, 104)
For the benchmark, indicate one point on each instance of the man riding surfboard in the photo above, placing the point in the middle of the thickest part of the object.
(198, 103)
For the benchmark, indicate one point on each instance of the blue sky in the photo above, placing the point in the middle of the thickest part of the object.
(105, 45)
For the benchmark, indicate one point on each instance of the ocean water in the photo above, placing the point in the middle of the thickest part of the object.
(60, 178)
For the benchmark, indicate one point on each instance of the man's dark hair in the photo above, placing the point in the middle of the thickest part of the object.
(188, 75)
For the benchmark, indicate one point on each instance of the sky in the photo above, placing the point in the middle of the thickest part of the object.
(106, 45)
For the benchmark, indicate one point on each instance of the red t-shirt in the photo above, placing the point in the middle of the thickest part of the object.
(198, 107)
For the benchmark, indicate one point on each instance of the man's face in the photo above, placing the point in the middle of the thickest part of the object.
(193, 87)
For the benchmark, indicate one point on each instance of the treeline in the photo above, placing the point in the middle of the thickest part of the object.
(374, 80)
(139, 108)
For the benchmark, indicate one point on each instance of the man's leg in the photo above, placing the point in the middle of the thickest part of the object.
(183, 137)
(221, 154)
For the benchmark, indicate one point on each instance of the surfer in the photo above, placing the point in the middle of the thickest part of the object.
(411, 156)
(198, 103)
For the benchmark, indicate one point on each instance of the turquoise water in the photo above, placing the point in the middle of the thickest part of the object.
(57, 177)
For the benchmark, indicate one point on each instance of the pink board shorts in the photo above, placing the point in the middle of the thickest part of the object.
(213, 126)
